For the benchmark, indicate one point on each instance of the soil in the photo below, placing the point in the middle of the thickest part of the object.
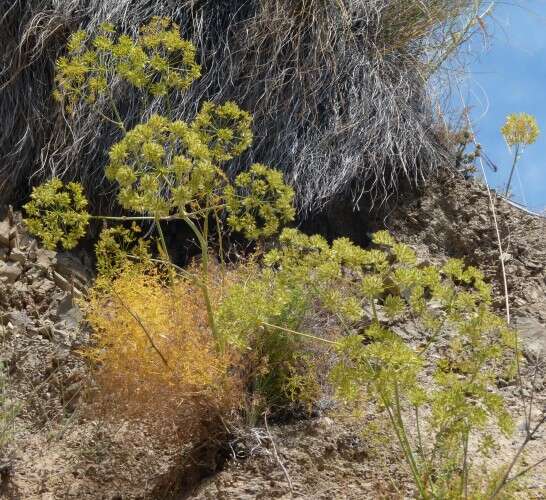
(57, 449)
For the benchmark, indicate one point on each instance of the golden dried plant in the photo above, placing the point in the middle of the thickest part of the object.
(156, 354)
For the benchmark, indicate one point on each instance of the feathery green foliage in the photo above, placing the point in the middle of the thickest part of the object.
(369, 292)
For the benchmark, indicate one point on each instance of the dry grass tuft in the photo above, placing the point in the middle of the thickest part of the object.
(338, 88)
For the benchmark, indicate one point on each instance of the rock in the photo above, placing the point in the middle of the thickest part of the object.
(10, 271)
(45, 259)
(17, 255)
(43, 287)
(19, 319)
(68, 314)
(71, 268)
(7, 233)
(71, 395)
(533, 336)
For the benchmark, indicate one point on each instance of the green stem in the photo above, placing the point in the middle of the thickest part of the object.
(466, 467)
(205, 285)
(162, 240)
(125, 218)
(406, 444)
(419, 439)
(220, 242)
(306, 335)
(165, 218)
(179, 269)
(206, 225)
(374, 310)
(164, 249)
(516, 158)
(116, 113)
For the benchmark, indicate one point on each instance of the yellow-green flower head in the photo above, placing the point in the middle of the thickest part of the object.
(520, 128)
(225, 129)
(157, 61)
(57, 213)
(161, 166)
(260, 202)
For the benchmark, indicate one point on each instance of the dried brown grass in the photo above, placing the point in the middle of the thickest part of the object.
(156, 359)
(338, 88)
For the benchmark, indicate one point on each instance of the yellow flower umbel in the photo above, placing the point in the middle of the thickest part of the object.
(165, 169)
(57, 213)
(157, 61)
(519, 130)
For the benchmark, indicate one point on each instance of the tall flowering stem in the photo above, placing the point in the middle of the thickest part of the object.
(519, 130)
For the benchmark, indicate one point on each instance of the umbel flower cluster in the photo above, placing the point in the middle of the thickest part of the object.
(157, 61)
(520, 129)
(165, 165)
(164, 168)
(443, 375)
(57, 213)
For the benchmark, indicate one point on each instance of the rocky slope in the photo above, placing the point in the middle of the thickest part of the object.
(452, 218)
(57, 449)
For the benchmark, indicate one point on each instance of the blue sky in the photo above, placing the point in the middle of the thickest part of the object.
(509, 76)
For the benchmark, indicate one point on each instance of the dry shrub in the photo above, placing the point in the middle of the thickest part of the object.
(156, 356)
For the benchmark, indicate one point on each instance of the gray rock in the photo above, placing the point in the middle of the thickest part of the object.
(533, 336)
(71, 268)
(7, 233)
(10, 271)
(19, 319)
(17, 255)
(68, 313)
(45, 259)
(43, 287)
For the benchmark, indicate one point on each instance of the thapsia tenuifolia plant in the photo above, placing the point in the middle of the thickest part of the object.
(436, 390)
(169, 169)
(519, 130)
(165, 169)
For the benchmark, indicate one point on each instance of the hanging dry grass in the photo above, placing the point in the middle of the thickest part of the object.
(338, 88)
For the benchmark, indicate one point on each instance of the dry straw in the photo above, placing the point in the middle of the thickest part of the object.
(338, 88)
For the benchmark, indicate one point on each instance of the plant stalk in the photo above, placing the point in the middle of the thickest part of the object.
(516, 158)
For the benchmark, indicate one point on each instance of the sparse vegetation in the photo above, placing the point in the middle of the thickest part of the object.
(195, 351)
